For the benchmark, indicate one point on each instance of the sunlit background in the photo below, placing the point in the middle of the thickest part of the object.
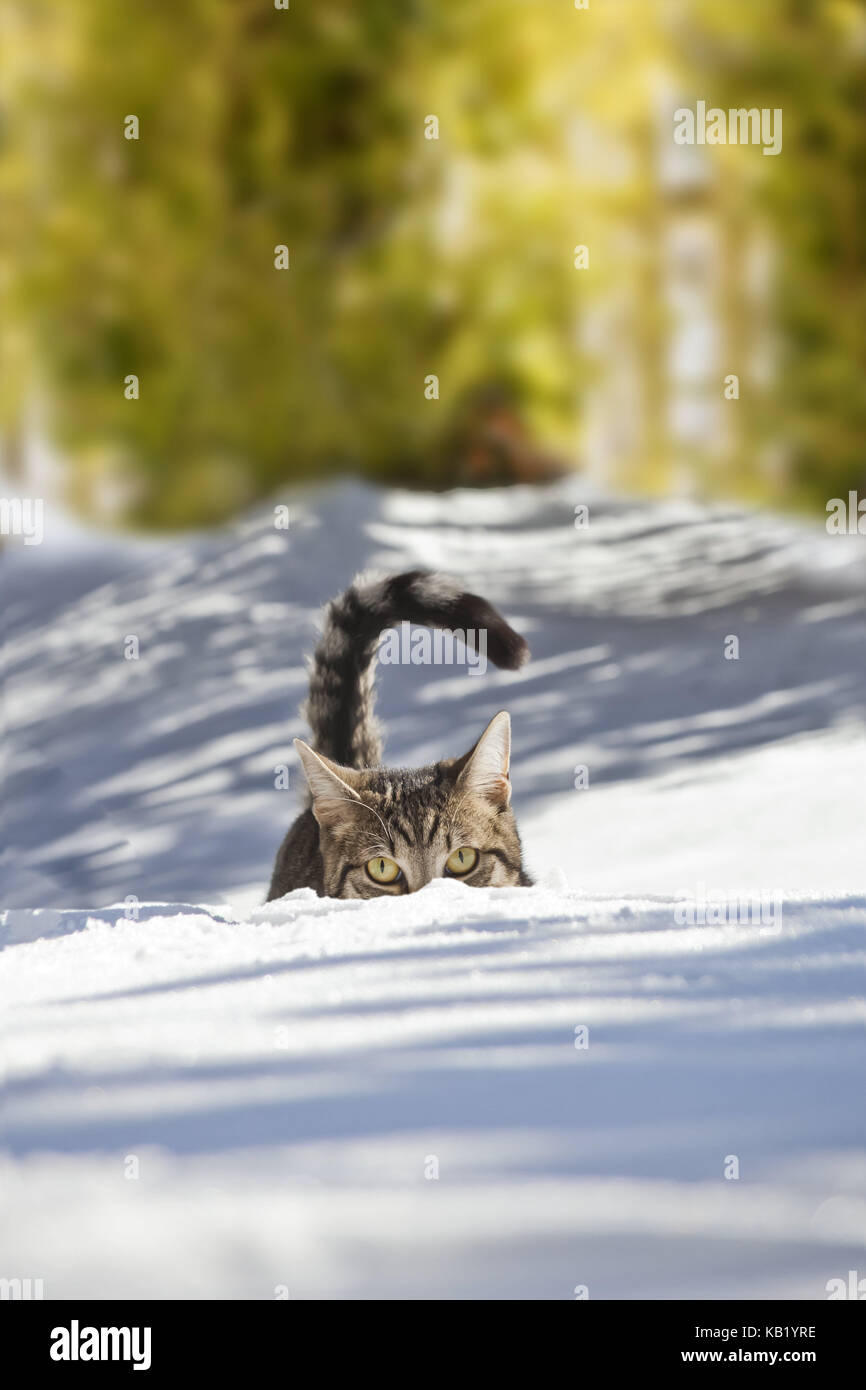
(430, 169)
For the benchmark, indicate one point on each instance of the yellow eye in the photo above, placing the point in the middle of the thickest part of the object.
(462, 861)
(383, 870)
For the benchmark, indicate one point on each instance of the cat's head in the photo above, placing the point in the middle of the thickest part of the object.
(391, 830)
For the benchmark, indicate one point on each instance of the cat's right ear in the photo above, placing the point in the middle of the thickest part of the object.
(329, 785)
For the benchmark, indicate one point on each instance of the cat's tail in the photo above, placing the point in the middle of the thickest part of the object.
(339, 708)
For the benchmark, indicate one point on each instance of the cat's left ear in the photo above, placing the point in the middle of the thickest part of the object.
(485, 770)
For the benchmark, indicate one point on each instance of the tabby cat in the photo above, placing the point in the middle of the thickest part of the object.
(370, 830)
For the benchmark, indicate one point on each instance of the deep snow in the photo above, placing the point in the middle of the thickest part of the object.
(287, 1078)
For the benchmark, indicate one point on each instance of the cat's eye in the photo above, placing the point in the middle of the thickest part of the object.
(383, 870)
(462, 861)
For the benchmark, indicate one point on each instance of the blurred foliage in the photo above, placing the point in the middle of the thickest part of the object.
(411, 257)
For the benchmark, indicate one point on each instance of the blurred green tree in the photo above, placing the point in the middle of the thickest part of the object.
(413, 257)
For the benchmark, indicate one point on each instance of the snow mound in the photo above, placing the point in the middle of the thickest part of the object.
(467, 1093)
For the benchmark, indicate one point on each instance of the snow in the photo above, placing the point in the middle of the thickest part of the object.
(464, 1093)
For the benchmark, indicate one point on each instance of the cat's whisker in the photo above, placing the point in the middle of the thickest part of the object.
(350, 800)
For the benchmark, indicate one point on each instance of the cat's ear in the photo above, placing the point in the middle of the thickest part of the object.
(485, 769)
(330, 786)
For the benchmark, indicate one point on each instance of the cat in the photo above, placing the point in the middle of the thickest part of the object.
(370, 831)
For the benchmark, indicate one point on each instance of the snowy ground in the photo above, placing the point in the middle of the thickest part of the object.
(234, 1099)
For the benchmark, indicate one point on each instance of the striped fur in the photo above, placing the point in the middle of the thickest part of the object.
(339, 709)
(414, 817)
